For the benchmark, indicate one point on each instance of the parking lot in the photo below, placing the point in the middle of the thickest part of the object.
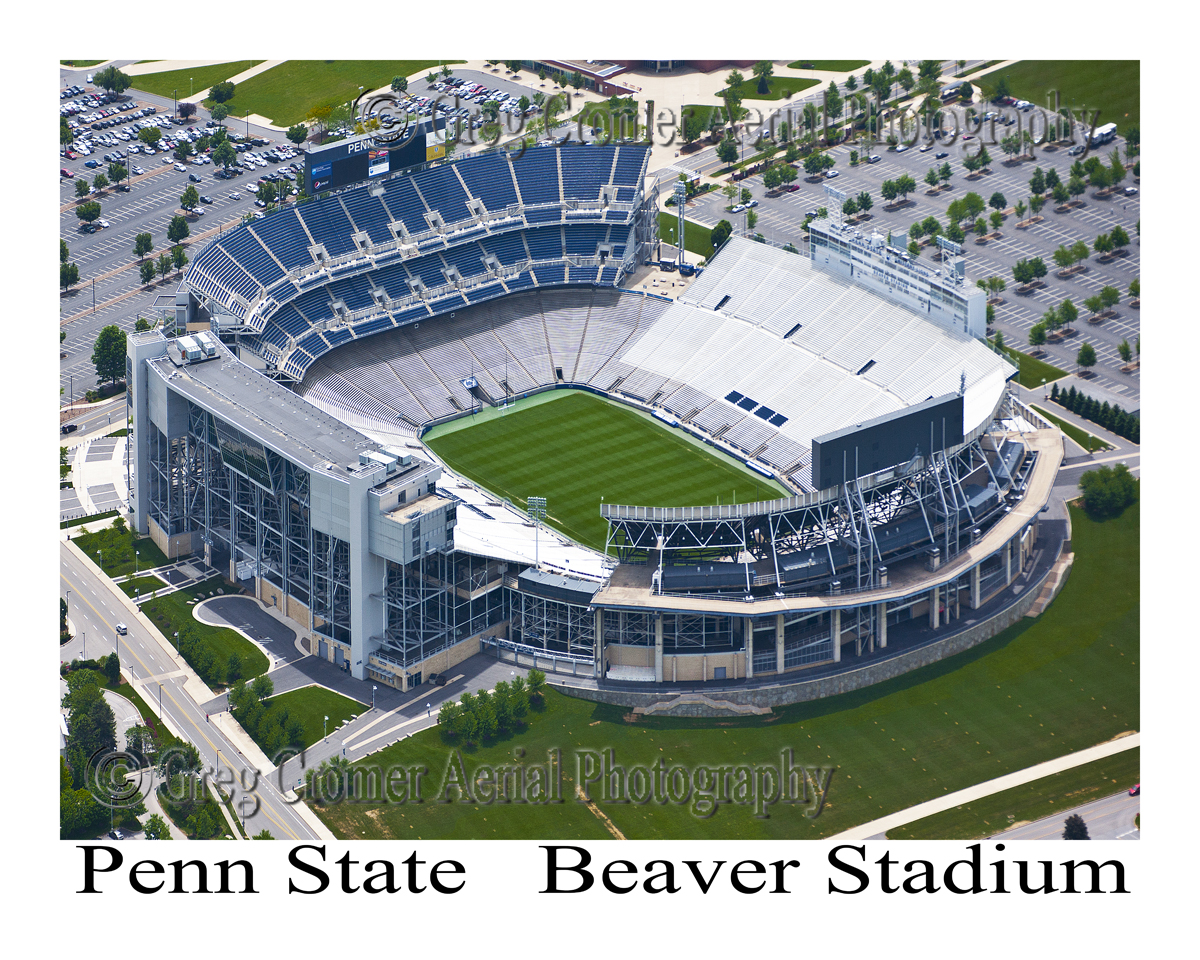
(780, 220)
(109, 275)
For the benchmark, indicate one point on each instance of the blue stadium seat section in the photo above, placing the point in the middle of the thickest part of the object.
(489, 179)
(444, 193)
(584, 171)
(245, 260)
(368, 214)
(537, 174)
(326, 221)
(401, 199)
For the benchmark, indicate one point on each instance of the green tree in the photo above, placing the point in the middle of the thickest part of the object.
(1094, 304)
(219, 112)
(222, 92)
(973, 204)
(143, 243)
(1126, 351)
(1119, 238)
(179, 260)
(1103, 244)
(1036, 202)
(1135, 288)
(146, 270)
(117, 172)
(997, 219)
(727, 151)
(1019, 209)
(1109, 296)
(263, 834)
(888, 190)
(955, 232)
(1037, 336)
(1069, 314)
(224, 154)
(956, 210)
(849, 207)
(399, 84)
(1075, 828)
(944, 172)
(178, 229)
(904, 183)
(1100, 178)
(68, 275)
(100, 182)
(931, 178)
(1107, 491)
(163, 266)
(537, 686)
(1075, 186)
(980, 226)
(930, 226)
(997, 201)
(763, 71)
(190, 199)
(262, 687)
(157, 828)
(82, 187)
(108, 354)
(732, 95)
(914, 248)
(1037, 183)
(112, 80)
(142, 325)
(834, 104)
(150, 135)
(864, 202)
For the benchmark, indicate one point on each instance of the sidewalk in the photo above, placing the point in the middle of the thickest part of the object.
(876, 829)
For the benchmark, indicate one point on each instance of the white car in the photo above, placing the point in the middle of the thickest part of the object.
(252, 188)
(138, 171)
(166, 161)
(180, 167)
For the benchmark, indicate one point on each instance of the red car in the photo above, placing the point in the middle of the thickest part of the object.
(65, 172)
(1135, 790)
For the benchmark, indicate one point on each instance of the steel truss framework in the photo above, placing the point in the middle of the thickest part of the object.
(929, 495)
(437, 600)
(553, 625)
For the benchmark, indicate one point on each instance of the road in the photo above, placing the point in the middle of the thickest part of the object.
(1109, 819)
(95, 607)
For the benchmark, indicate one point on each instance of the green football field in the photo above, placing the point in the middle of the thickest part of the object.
(1043, 688)
(574, 448)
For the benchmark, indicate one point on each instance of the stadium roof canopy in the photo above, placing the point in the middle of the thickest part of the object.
(768, 326)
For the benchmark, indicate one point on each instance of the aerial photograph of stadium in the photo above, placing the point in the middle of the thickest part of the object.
(599, 449)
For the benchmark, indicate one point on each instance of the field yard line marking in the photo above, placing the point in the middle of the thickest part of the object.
(988, 787)
(600, 815)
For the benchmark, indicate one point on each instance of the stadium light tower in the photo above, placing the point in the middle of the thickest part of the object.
(536, 508)
(680, 202)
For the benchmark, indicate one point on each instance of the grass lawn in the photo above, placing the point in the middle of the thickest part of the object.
(118, 549)
(780, 88)
(1111, 86)
(82, 521)
(1033, 370)
(697, 237)
(1088, 441)
(575, 448)
(80, 64)
(173, 612)
(1031, 801)
(832, 66)
(1043, 688)
(183, 83)
(287, 93)
(146, 585)
(162, 735)
(310, 705)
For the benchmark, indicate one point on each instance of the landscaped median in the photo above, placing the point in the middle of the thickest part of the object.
(209, 650)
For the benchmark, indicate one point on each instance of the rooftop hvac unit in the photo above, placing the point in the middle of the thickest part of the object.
(208, 343)
(189, 348)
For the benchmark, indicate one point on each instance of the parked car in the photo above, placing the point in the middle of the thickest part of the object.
(830, 174)
(1130, 191)
(63, 171)
(204, 199)
(1135, 790)
(942, 155)
(874, 158)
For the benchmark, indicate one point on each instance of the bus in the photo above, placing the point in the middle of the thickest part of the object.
(1104, 134)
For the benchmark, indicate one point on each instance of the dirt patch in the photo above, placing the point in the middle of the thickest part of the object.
(376, 817)
(599, 815)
